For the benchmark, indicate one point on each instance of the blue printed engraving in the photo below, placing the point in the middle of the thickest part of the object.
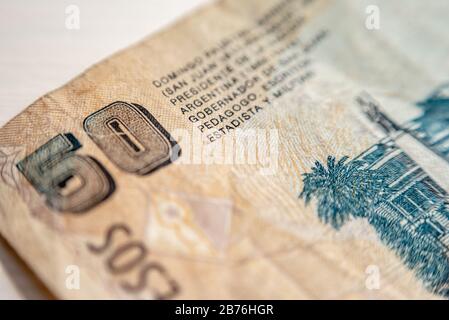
(406, 207)
(432, 127)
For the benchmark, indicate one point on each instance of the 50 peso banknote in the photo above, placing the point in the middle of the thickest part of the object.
(255, 149)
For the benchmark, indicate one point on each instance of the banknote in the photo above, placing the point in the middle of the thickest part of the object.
(17, 281)
(273, 149)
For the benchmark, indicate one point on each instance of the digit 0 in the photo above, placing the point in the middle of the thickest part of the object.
(131, 137)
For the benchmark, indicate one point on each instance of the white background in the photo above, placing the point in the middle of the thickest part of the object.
(39, 54)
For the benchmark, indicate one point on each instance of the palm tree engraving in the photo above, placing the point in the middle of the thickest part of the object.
(346, 190)
(343, 190)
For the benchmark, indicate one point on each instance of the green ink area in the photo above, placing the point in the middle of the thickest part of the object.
(406, 207)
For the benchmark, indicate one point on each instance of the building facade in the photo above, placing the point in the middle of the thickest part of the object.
(414, 199)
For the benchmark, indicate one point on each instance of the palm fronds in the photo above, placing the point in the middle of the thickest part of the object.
(343, 190)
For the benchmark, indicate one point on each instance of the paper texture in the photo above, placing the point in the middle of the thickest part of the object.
(207, 161)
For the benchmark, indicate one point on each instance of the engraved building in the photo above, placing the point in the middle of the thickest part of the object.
(415, 200)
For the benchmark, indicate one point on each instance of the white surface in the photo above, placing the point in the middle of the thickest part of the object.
(7, 288)
(39, 54)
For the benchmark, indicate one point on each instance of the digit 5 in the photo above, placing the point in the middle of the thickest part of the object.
(68, 181)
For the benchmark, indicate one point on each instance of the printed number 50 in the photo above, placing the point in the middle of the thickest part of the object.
(127, 133)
